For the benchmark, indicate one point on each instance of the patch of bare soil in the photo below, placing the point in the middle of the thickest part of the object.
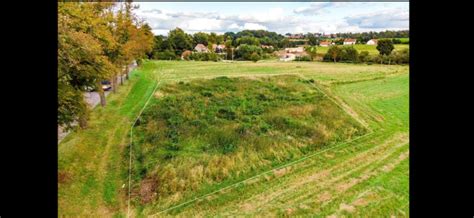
(247, 207)
(281, 172)
(360, 202)
(325, 196)
(147, 190)
(64, 177)
(346, 207)
(159, 94)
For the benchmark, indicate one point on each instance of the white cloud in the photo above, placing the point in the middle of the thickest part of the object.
(343, 18)
(313, 9)
(254, 26)
(204, 24)
(394, 18)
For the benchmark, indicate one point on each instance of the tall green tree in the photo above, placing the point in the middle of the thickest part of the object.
(312, 51)
(180, 41)
(312, 40)
(229, 49)
(248, 40)
(201, 38)
(95, 42)
(385, 46)
(82, 41)
(334, 52)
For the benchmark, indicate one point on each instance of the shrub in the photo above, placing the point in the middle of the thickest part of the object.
(227, 114)
(312, 51)
(224, 140)
(396, 41)
(349, 54)
(204, 56)
(377, 59)
(255, 57)
(303, 58)
(333, 54)
(364, 56)
(245, 51)
(165, 55)
(400, 57)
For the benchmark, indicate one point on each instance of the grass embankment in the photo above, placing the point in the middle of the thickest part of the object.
(89, 165)
(208, 131)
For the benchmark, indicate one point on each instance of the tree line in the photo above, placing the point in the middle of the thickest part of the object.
(97, 41)
(362, 38)
(387, 54)
(173, 46)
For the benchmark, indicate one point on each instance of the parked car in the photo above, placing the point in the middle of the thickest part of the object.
(106, 86)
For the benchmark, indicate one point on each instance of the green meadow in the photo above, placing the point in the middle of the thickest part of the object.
(315, 139)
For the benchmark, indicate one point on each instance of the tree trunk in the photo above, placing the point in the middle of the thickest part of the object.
(121, 79)
(83, 121)
(114, 83)
(101, 94)
(126, 72)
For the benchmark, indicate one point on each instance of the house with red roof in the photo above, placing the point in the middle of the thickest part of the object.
(372, 42)
(349, 41)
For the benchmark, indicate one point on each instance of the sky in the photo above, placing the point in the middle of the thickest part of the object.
(280, 17)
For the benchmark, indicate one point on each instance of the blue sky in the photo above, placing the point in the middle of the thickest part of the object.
(280, 17)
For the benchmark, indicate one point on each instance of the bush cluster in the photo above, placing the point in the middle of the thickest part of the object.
(205, 56)
(349, 54)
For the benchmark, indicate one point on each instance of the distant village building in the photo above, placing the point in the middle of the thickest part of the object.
(218, 48)
(294, 50)
(350, 41)
(266, 46)
(324, 44)
(296, 36)
(372, 42)
(185, 54)
(201, 48)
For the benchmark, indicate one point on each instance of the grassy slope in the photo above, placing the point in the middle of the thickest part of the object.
(92, 159)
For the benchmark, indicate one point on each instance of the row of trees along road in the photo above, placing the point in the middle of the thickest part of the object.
(96, 41)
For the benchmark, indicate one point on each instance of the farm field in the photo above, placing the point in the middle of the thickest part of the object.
(366, 176)
(372, 49)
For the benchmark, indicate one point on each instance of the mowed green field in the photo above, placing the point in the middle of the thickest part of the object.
(364, 177)
(372, 49)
